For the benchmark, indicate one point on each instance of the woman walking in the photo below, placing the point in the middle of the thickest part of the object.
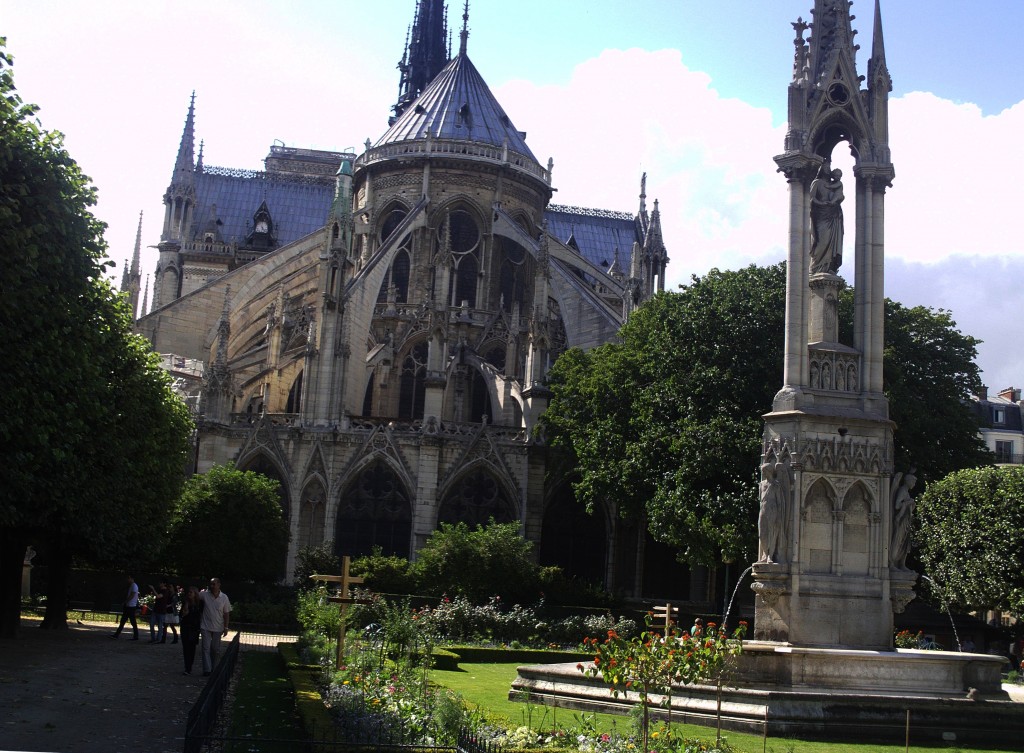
(191, 614)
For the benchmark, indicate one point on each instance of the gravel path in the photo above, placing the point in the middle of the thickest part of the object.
(77, 691)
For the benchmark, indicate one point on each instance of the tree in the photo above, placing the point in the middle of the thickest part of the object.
(928, 359)
(477, 563)
(95, 442)
(667, 424)
(230, 524)
(969, 536)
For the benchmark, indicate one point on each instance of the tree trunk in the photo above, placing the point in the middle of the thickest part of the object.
(58, 575)
(12, 558)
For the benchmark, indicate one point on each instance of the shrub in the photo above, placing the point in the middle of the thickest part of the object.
(319, 559)
(385, 573)
(477, 563)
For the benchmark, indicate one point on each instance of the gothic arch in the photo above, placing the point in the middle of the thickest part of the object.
(312, 511)
(817, 517)
(374, 509)
(857, 530)
(573, 539)
(390, 217)
(412, 380)
(476, 494)
(478, 376)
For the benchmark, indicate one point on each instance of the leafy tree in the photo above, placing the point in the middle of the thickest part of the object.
(94, 450)
(316, 559)
(929, 374)
(385, 573)
(969, 536)
(492, 560)
(230, 524)
(667, 424)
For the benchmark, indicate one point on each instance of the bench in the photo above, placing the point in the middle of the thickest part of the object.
(82, 607)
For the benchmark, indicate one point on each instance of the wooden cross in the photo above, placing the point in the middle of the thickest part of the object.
(670, 611)
(342, 599)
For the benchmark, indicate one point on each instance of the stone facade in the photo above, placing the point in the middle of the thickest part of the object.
(387, 363)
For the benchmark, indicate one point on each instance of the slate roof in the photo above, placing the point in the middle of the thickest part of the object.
(596, 233)
(297, 206)
(457, 105)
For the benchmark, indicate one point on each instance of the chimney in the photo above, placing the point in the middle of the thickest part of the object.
(1008, 393)
(983, 393)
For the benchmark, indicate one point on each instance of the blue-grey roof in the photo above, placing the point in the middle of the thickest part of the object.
(297, 206)
(596, 233)
(457, 105)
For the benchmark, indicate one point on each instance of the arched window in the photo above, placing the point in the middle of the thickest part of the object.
(311, 515)
(263, 465)
(375, 511)
(514, 276)
(397, 276)
(573, 539)
(392, 219)
(465, 248)
(413, 383)
(295, 396)
(475, 499)
(479, 399)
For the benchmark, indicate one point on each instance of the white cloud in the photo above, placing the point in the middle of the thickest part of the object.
(709, 160)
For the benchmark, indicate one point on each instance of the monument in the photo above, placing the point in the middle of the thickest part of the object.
(835, 515)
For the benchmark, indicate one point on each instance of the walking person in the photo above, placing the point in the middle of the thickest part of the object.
(131, 606)
(214, 623)
(170, 613)
(156, 604)
(191, 616)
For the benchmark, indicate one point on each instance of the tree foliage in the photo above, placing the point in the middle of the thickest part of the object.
(492, 560)
(666, 425)
(969, 528)
(230, 524)
(95, 449)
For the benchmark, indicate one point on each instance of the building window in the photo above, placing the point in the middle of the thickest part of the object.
(1004, 451)
(998, 416)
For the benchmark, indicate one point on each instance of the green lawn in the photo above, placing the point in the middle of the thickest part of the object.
(487, 686)
(264, 706)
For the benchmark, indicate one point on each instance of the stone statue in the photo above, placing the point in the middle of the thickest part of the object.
(774, 514)
(827, 221)
(902, 515)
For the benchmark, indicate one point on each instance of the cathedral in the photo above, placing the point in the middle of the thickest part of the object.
(374, 330)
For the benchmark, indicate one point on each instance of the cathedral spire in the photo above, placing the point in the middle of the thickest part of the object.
(184, 166)
(132, 277)
(464, 34)
(426, 52)
(145, 299)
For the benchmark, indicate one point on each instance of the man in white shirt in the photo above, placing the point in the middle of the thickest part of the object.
(129, 608)
(214, 624)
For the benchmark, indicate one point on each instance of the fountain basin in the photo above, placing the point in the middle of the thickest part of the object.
(819, 693)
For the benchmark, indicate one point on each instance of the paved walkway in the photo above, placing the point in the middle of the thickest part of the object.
(77, 691)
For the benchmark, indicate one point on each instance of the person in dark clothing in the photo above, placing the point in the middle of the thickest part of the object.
(191, 614)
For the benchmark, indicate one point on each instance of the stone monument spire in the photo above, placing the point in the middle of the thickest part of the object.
(824, 576)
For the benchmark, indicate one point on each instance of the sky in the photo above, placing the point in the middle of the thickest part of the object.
(692, 92)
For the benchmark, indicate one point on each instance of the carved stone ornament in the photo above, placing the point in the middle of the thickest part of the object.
(769, 592)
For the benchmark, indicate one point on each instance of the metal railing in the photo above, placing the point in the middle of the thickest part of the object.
(202, 717)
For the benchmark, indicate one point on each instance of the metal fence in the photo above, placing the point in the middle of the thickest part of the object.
(202, 717)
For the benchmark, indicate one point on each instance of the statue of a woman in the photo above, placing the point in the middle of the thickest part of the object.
(771, 520)
(827, 221)
(902, 518)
